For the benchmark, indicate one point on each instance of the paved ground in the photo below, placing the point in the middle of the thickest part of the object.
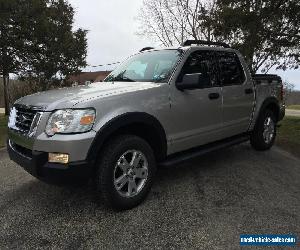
(292, 112)
(203, 204)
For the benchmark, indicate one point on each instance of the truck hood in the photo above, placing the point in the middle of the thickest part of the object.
(69, 97)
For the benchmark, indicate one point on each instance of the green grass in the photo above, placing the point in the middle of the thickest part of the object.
(295, 107)
(289, 135)
(3, 130)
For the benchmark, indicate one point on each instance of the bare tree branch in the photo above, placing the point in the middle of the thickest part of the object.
(266, 32)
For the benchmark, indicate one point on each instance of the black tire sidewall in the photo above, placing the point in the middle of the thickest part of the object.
(257, 138)
(116, 149)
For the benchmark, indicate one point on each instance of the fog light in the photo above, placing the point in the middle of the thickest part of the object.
(58, 158)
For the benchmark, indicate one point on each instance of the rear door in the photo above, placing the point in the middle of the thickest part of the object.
(197, 113)
(238, 94)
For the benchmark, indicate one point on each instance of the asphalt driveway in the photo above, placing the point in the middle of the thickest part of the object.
(206, 204)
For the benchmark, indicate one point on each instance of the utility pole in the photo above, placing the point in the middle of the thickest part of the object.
(5, 92)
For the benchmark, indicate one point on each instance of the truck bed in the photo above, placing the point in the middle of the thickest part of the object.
(267, 85)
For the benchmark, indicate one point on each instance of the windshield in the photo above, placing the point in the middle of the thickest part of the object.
(151, 66)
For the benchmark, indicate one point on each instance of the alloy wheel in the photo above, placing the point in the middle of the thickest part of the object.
(130, 173)
(269, 130)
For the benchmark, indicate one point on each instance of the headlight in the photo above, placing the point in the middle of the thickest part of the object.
(70, 121)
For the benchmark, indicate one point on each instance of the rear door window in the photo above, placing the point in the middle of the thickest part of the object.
(231, 70)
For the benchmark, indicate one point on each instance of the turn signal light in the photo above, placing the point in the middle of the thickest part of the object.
(87, 120)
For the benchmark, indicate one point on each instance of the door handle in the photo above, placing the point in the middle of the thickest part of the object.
(248, 91)
(213, 96)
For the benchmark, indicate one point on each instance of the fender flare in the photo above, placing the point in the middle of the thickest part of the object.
(268, 102)
(124, 120)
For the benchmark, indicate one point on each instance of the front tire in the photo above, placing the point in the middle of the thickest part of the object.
(125, 172)
(264, 133)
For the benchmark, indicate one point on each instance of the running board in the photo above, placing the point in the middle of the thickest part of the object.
(201, 150)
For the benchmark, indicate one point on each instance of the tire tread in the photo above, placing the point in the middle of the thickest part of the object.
(256, 138)
(103, 174)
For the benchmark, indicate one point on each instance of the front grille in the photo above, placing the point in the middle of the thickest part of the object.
(25, 119)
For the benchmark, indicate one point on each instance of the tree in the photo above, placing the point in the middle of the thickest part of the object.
(288, 86)
(11, 50)
(171, 22)
(266, 32)
(38, 41)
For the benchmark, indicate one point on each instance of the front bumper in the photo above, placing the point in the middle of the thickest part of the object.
(36, 163)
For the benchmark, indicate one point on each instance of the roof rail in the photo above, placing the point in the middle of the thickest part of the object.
(146, 48)
(190, 42)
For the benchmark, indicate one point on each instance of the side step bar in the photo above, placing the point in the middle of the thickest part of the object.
(199, 151)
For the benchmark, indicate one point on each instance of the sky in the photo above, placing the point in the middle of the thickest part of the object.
(112, 37)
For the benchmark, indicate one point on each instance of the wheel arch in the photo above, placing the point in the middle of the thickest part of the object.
(272, 104)
(137, 123)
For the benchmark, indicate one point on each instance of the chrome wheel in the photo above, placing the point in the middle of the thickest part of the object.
(130, 173)
(269, 130)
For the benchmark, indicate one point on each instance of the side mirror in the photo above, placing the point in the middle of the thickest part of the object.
(193, 81)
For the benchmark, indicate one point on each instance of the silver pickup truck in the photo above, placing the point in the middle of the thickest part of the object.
(158, 108)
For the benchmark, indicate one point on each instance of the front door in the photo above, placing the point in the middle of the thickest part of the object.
(197, 114)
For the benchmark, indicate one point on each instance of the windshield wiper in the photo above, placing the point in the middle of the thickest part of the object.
(122, 79)
(125, 79)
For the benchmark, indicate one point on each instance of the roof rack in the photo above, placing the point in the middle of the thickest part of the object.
(203, 42)
(146, 48)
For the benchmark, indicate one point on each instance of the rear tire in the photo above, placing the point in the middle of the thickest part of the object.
(263, 136)
(125, 172)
